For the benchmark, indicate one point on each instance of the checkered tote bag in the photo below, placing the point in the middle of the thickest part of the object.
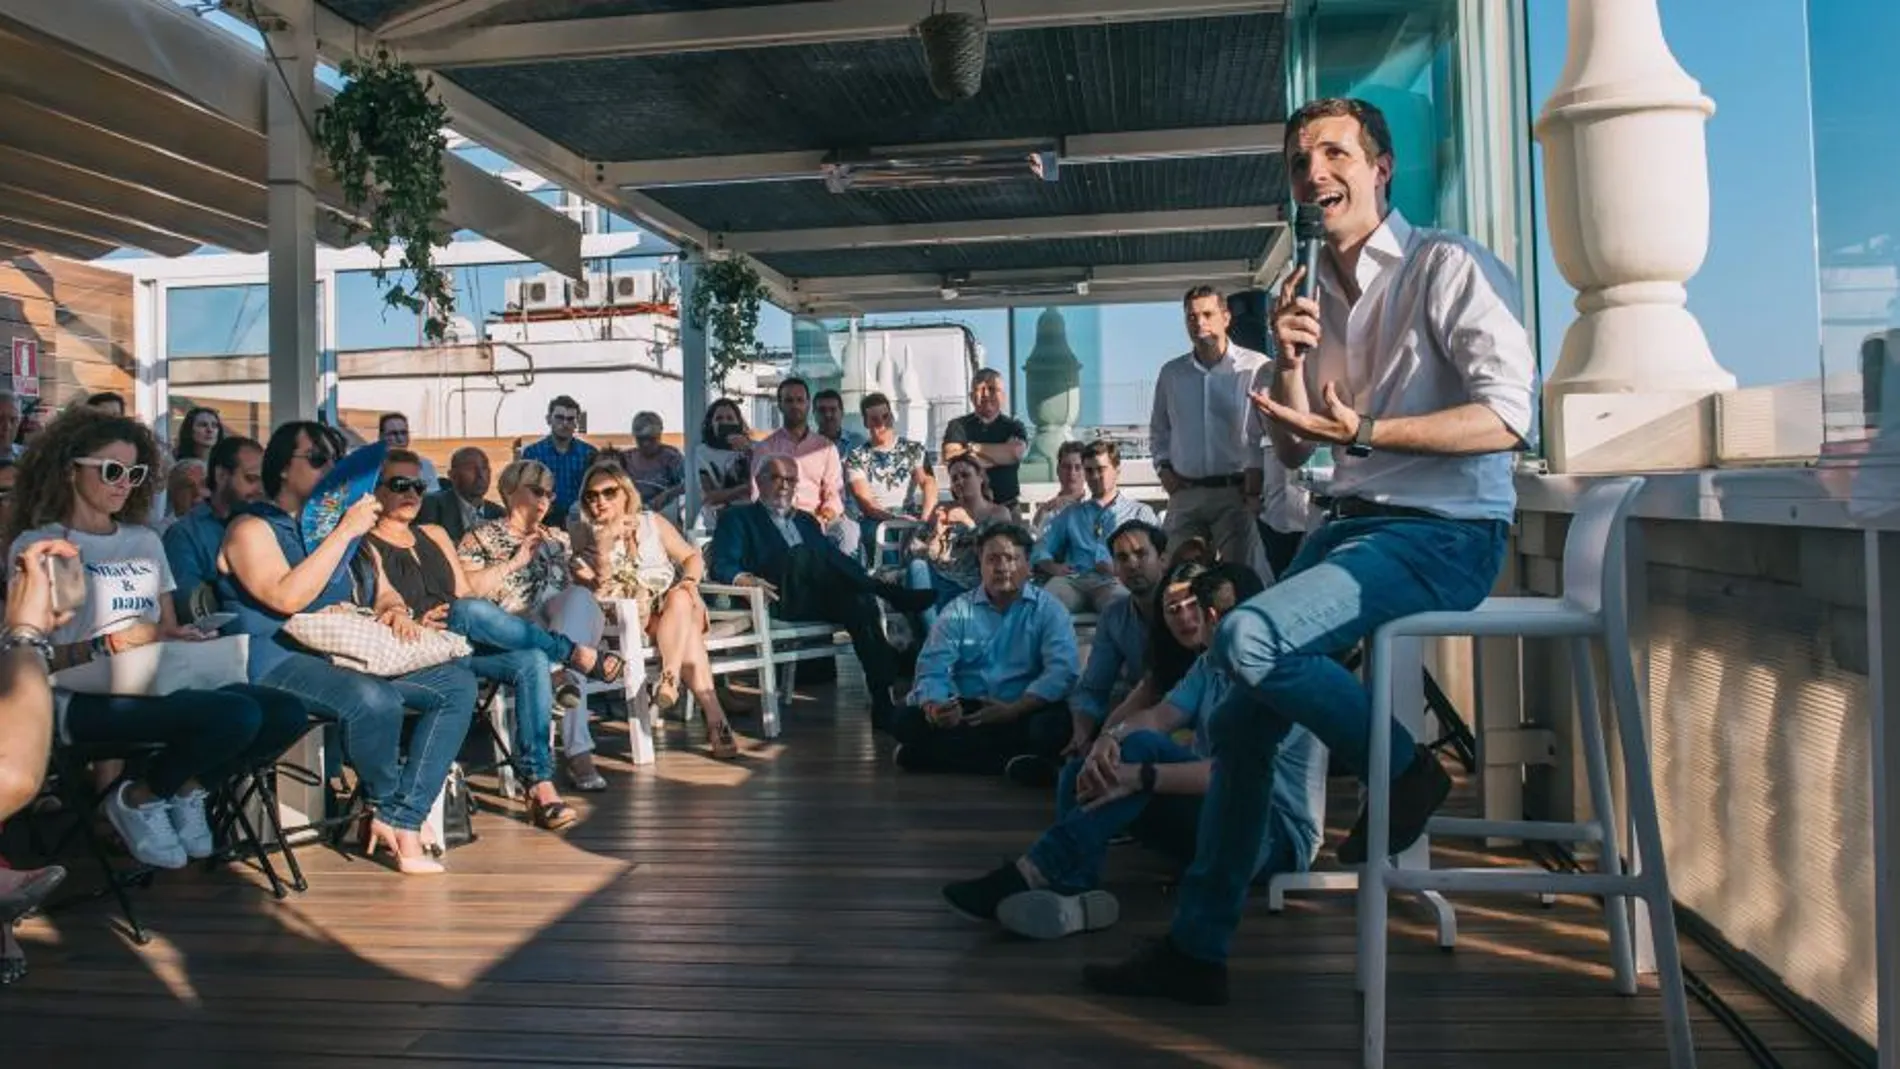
(362, 643)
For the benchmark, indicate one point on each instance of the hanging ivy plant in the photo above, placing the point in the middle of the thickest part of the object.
(382, 137)
(726, 296)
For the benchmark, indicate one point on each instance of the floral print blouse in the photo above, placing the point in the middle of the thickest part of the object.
(527, 590)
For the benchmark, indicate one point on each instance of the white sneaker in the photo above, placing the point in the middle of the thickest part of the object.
(1051, 915)
(147, 831)
(188, 820)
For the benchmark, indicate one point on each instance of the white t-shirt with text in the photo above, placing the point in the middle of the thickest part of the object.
(126, 575)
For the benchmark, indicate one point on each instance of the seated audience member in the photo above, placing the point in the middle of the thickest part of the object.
(233, 474)
(725, 460)
(771, 544)
(658, 470)
(1138, 780)
(994, 676)
(886, 477)
(393, 429)
(463, 505)
(820, 490)
(420, 583)
(86, 482)
(199, 432)
(267, 573)
(624, 550)
(565, 453)
(9, 474)
(522, 564)
(1118, 654)
(827, 409)
(1070, 486)
(943, 554)
(1072, 554)
(108, 402)
(186, 487)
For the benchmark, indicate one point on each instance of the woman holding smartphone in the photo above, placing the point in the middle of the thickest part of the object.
(87, 481)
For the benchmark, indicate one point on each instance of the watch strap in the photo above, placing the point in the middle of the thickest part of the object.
(1148, 777)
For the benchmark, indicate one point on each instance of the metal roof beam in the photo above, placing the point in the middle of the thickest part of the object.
(204, 226)
(434, 17)
(1075, 150)
(30, 206)
(986, 230)
(926, 303)
(1105, 278)
(720, 30)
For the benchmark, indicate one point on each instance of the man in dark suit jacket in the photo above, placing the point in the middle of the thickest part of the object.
(770, 544)
(464, 504)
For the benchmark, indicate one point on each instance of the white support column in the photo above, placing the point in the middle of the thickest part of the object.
(1883, 654)
(153, 390)
(1627, 193)
(693, 400)
(326, 350)
(290, 107)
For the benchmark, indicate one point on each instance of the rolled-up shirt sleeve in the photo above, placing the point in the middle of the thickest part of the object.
(1474, 309)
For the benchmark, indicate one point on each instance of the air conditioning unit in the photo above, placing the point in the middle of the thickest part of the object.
(589, 292)
(635, 288)
(541, 293)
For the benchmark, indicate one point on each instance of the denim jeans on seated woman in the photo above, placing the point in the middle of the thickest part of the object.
(531, 677)
(370, 711)
(487, 624)
(206, 735)
(919, 575)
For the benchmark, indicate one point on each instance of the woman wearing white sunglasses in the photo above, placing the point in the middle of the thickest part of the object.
(87, 480)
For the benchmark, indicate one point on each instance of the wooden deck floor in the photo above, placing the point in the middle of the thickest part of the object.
(783, 912)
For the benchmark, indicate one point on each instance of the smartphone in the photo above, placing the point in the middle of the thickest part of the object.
(67, 576)
(213, 622)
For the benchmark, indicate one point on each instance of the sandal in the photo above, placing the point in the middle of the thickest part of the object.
(608, 667)
(12, 957)
(725, 745)
(550, 816)
(665, 692)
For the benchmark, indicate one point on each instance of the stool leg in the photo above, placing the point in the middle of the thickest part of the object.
(1388, 656)
(1616, 908)
(1654, 872)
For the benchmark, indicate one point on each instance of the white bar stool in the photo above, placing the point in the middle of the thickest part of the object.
(1593, 608)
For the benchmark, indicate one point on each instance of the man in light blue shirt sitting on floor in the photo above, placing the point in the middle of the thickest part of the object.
(1118, 652)
(993, 678)
(1073, 557)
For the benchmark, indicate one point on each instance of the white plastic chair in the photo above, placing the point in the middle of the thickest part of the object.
(1593, 608)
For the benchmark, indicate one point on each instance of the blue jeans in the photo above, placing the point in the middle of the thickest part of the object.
(1350, 577)
(207, 735)
(919, 575)
(530, 674)
(487, 624)
(1070, 854)
(370, 712)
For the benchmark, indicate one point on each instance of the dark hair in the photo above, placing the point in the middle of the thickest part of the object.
(224, 456)
(43, 492)
(1015, 532)
(104, 396)
(402, 456)
(1245, 581)
(793, 381)
(706, 422)
(827, 395)
(563, 401)
(1374, 135)
(966, 458)
(1066, 448)
(1168, 660)
(870, 401)
(1103, 447)
(188, 444)
(1201, 293)
(382, 422)
(1157, 537)
(984, 375)
(283, 442)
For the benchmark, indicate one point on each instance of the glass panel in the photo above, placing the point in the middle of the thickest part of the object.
(217, 321)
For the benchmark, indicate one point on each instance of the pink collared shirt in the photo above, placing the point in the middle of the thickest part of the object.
(820, 472)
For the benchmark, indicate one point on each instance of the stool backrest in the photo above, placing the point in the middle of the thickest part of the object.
(1595, 548)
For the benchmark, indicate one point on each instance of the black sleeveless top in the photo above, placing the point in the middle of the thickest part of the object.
(420, 573)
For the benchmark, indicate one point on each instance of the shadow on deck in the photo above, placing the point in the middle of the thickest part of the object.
(783, 912)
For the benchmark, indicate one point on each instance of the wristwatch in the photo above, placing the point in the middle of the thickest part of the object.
(1361, 440)
(26, 637)
(1147, 777)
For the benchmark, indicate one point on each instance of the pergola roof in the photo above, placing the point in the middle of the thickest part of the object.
(136, 124)
(707, 121)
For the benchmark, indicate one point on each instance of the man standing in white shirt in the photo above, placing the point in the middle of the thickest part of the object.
(1205, 434)
(1414, 366)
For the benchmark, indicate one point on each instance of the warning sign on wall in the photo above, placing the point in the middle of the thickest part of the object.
(26, 367)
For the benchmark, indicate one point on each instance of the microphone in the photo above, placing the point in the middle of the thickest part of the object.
(1309, 228)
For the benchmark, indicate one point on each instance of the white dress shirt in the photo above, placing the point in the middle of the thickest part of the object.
(1436, 326)
(1203, 424)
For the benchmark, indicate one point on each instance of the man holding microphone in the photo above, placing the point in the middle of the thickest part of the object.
(1409, 360)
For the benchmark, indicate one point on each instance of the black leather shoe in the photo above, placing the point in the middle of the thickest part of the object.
(977, 899)
(1160, 971)
(1416, 795)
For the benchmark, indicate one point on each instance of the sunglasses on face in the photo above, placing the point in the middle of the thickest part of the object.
(404, 484)
(114, 472)
(316, 456)
(540, 492)
(605, 493)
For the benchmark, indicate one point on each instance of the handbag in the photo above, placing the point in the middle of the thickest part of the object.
(453, 814)
(362, 643)
(159, 668)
